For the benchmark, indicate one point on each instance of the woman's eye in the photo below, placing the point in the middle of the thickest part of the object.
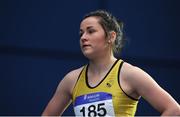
(88, 32)
(80, 34)
(91, 31)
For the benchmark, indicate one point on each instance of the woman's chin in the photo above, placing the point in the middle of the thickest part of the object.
(88, 55)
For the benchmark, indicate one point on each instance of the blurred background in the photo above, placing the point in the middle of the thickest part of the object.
(39, 44)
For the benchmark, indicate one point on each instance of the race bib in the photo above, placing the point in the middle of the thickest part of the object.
(94, 105)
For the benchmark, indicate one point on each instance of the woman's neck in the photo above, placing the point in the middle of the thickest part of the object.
(100, 65)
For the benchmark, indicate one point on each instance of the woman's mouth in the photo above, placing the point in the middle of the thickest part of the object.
(84, 46)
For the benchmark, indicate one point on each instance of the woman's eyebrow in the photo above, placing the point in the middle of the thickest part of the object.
(89, 27)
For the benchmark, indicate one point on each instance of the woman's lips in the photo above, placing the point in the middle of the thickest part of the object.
(84, 46)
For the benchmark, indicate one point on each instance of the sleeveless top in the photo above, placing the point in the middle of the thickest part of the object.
(105, 99)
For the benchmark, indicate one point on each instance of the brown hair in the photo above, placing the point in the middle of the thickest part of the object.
(110, 23)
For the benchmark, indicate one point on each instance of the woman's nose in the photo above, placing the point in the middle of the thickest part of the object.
(83, 37)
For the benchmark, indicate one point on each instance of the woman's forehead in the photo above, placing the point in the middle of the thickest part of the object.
(90, 21)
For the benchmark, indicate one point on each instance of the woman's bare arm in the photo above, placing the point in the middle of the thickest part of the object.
(145, 86)
(63, 95)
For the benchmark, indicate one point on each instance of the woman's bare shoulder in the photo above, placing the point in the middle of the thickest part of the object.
(128, 78)
(71, 77)
(67, 83)
(130, 70)
(73, 74)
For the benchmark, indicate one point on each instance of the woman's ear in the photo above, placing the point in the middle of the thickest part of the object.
(112, 36)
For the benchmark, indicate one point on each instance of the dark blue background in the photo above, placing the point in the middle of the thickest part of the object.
(39, 44)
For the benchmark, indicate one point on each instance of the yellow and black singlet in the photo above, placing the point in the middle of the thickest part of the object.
(105, 99)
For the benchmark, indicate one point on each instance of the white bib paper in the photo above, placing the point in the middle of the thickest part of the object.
(94, 104)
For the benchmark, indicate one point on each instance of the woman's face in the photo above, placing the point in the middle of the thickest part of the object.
(93, 41)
